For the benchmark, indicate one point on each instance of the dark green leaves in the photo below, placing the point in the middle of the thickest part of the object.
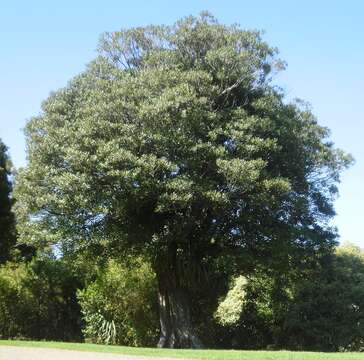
(177, 130)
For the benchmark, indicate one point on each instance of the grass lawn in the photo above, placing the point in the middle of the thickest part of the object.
(190, 354)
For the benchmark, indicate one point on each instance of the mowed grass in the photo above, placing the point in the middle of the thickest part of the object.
(189, 354)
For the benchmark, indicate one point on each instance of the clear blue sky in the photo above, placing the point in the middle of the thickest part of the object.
(45, 43)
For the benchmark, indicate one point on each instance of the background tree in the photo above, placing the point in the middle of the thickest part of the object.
(327, 312)
(320, 308)
(174, 145)
(7, 228)
(38, 300)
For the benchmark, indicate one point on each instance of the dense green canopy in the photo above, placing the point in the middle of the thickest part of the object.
(174, 144)
(7, 230)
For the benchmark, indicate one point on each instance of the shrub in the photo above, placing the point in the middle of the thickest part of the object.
(38, 301)
(13, 305)
(120, 307)
(328, 311)
(321, 309)
(230, 308)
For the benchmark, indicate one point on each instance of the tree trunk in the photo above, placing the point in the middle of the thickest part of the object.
(175, 313)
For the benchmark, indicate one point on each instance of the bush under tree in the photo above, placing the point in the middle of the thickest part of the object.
(120, 305)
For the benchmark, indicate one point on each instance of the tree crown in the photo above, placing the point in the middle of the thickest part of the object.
(174, 136)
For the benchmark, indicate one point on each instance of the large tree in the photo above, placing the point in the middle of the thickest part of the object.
(174, 144)
(7, 229)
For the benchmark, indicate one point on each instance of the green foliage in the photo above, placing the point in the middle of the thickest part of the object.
(12, 304)
(230, 308)
(328, 309)
(319, 309)
(7, 224)
(253, 319)
(38, 301)
(174, 137)
(174, 145)
(98, 329)
(119, 307)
